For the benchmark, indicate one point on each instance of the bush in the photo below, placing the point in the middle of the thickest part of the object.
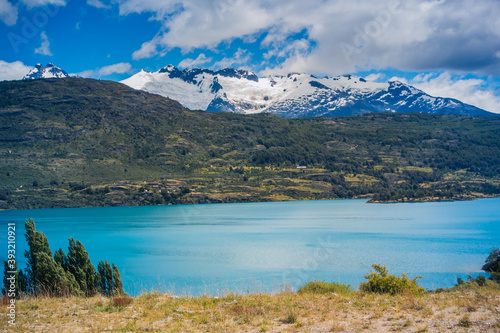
(321, 287)
(122, 301)
(492, 265)
(465, 322)
(290, 318)
(381, 282)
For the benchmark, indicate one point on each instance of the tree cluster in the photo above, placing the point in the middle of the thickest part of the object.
(62, 275)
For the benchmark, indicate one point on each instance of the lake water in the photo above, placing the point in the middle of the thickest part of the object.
(260, 247)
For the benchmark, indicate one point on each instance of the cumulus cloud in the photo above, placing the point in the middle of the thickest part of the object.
(97, 4)
(474, 91)
(147, 50)
(341, 36)
(375, 77)
(8, 12)
(44, 49)
(241, 58)
(120, 68)
(13, 70)
(39, 3)
(191, 63)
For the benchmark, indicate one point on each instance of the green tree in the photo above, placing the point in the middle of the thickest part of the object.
(101, 272)
(52, 279)
(108, 273)
(9, 278)
(492, 265)
(22, 283)
(61, 259)
(62, 275)
(80, 266)
(37, 244)
(117, 282)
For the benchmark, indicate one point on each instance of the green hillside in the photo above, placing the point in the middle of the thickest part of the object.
(82, 142)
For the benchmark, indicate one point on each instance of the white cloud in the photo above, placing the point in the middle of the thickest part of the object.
(399, 79)
(472, 91)
(375, 77)
(191, 63)
(13, 70)
(97, 4)
(39, 3)
(120, 68)
(147, 50)
(44, 49)
(240, 59)
(459, 35)
(8, 12)
(88, 73)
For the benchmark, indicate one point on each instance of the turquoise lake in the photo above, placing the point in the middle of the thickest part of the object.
(260, 247)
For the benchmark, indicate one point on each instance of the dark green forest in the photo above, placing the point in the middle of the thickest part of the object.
(82, 142)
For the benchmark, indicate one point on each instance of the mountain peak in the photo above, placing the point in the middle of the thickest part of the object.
(45, 72)
(293, 95)
(168, 68)
(238, 73)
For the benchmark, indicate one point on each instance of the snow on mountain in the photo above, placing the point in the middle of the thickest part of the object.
(293, 95)
(45, 72)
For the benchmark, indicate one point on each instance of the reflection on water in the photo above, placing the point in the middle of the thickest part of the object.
(259, 247)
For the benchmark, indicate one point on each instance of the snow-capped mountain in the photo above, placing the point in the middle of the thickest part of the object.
(45, 72)
(293, 95)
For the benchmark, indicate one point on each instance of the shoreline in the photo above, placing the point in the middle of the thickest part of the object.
(363, 197)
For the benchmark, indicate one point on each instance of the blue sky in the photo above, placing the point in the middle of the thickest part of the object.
(446, 48)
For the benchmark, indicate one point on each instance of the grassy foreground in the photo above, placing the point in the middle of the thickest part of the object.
(467, 308)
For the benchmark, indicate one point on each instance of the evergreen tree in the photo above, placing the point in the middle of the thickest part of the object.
(117, 282)
(61, 275)
(7, 281)
(492, 265)
(109, 278)
(101, 271)
(37, 244)
(61, 259)
(82, 269)
(52, 279)
(22, 283)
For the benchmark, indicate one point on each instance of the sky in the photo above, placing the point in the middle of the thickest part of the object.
(447, 48)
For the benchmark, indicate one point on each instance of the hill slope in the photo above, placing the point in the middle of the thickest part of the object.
(293, 95)
(80, 142)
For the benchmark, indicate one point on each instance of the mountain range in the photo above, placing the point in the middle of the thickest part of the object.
(293, 95)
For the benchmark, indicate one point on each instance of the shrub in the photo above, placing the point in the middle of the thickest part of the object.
(492, 265)
(465, 322)
(481, 281)
(122, 301)
(290, 318)
(381, 282)
(321, 287)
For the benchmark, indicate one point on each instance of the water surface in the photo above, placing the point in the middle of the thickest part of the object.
(259, 247)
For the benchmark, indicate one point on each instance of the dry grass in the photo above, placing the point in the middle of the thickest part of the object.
(475, 308)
